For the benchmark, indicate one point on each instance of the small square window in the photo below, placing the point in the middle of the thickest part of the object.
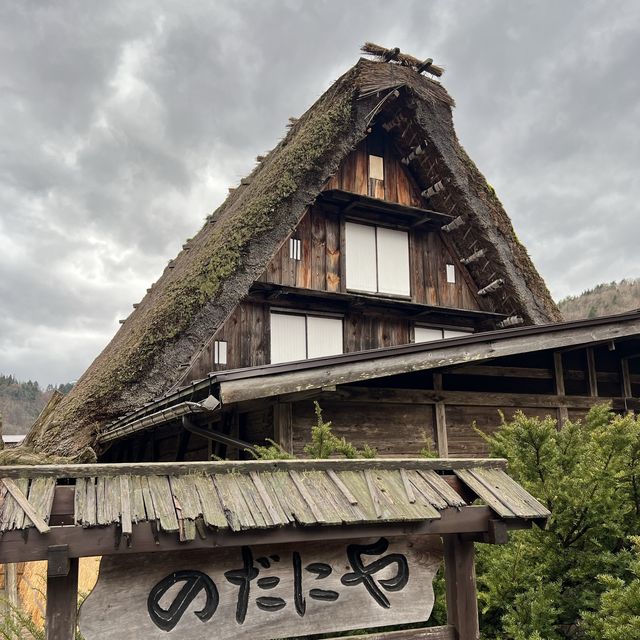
(451, 274)
(219, 352)
(376, 168)
(295, 248)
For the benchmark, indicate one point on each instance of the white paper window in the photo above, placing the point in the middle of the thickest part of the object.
(324, 336)
(297, 337)
(452, 333)
(377, 259)
(451, 274)
(393, 261)
(376, 168)
(219, 352)
(295, 248)
(288, 338)
(427, 334)
(360, 247)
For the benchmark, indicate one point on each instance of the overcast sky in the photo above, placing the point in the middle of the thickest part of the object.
(122, 124)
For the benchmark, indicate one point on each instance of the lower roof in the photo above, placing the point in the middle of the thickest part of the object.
(239, 385)
(194, 500)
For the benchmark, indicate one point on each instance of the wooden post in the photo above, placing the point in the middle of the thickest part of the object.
(563, 412)
(460, 579)
(591, 370)
(283, 425)
(441, 420)
(11, 587)
(62, 595)
(233, 453)
(626, 378)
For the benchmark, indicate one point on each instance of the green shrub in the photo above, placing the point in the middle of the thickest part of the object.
(588, 475)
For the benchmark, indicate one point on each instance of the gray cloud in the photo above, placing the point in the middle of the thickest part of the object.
(122, 125)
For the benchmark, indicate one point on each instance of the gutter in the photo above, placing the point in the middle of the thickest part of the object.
(209, 405)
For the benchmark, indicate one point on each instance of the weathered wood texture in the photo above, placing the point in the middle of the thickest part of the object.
(279, 603)
(428, 633)
(62, 604)
(108, 540)
(320, 266)
(460, 581)
(353, 174)
(398, 430)
(462, 422)
(505, 496)
(189, 498)
(246, 333)
(415, 358)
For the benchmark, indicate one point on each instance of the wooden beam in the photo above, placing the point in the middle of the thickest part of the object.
(283, 425)
(441, 429)
(460, 583)
(429, 633)
(216, 436)
(626, 378)
(278, 383)
(469, 398)
(240, 466)
(491, 287)
(97, 541)
(11, 587)
(25, 505)
(538, 373)
(591, 373)
(440, 416)
(533, 373)
(563, 412)
(62, 604)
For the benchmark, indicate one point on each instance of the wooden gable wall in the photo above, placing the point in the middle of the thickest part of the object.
(397, 186)
(322, 265)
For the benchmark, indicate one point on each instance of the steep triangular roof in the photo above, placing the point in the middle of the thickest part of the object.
(200, 288)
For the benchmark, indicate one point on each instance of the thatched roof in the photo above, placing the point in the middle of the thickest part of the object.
(200, 288)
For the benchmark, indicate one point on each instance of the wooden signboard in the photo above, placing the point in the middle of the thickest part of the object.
(263, 592)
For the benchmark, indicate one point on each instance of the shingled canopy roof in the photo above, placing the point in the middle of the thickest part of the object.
(203, 502)
(216, 268)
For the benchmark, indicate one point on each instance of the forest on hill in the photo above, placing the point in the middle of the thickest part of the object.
(603, 300)
(21, 402)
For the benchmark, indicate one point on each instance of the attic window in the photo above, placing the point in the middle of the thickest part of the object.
(429, 334)
(295, 248)
(301, 336)
(377, 259)
(376, 168)
(219, 352)
(451, 274)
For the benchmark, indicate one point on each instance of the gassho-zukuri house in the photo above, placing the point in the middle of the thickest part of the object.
(365, 264)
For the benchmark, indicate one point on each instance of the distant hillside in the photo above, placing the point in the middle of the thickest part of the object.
(21, 402)
(602, 300)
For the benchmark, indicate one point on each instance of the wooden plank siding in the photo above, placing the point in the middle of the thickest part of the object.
(397, 186)
(394, 430)
(320, 267)
(246, 333)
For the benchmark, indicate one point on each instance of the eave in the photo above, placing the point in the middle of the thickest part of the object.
(241, 385)
(265, 291)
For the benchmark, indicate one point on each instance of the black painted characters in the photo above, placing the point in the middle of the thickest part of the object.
(196, 582)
